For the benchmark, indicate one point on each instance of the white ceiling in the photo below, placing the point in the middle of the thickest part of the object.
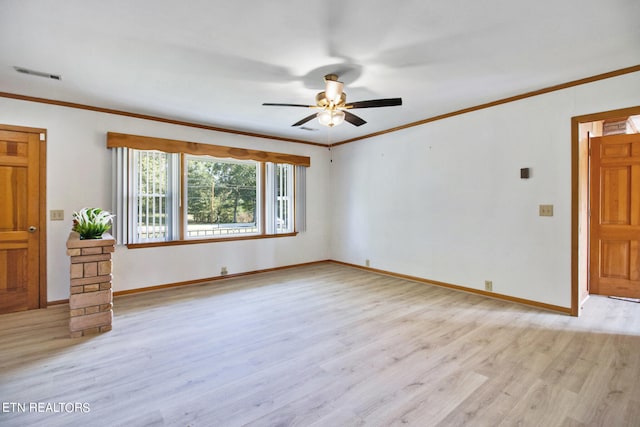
(215, 62)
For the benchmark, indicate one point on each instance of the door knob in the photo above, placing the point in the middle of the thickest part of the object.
(33, 229)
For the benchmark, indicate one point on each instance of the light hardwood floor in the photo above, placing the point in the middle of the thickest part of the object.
(326, 345)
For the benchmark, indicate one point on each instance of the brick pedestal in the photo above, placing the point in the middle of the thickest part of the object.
(91, 298)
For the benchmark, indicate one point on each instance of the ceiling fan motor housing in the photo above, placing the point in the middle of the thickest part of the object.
(323, 102)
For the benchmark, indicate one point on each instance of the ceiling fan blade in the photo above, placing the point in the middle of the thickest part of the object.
(287, 105)
(387, 102)
(305, 120)
(353, 119)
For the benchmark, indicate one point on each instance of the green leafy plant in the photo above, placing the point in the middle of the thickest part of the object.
(91, 223)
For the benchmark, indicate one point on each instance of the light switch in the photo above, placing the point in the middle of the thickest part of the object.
(56, 215)
(546, 210)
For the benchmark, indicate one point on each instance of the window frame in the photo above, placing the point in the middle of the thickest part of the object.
(185, 149)
(171, 197)
(282, 200)
(260, 197)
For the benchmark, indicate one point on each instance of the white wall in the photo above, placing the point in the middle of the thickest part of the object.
(79, 175)
(444, 201)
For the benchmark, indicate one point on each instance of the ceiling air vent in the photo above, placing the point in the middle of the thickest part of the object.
(37, 73)
(306, 128)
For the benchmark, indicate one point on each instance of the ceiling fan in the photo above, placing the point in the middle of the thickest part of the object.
(332, 103)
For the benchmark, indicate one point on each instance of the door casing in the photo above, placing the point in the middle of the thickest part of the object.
(577, 222)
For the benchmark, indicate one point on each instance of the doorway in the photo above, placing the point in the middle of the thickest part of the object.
(596, 261)
(22, 219)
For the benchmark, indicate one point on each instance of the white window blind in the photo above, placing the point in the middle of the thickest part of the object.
(120, 194)
(301, 198)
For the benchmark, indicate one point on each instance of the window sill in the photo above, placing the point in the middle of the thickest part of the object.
(212, 240)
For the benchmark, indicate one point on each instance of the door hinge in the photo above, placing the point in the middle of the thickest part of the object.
(42, 137)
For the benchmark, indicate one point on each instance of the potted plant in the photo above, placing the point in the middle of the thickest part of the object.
(91, 223)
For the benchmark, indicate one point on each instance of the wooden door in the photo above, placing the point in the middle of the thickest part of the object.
(615, 216)
(19, 219)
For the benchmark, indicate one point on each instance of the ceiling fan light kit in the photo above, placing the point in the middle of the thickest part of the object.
(331, 118)
(333, 102)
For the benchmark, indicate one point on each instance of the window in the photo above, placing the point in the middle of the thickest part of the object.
(153, 197)
(191, 195)
(280, 176)
(222, 197)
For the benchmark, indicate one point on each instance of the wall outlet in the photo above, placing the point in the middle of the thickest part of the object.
(488, 285)
(56, 215)
(224, 271)
(546, 210)
(367, 263)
